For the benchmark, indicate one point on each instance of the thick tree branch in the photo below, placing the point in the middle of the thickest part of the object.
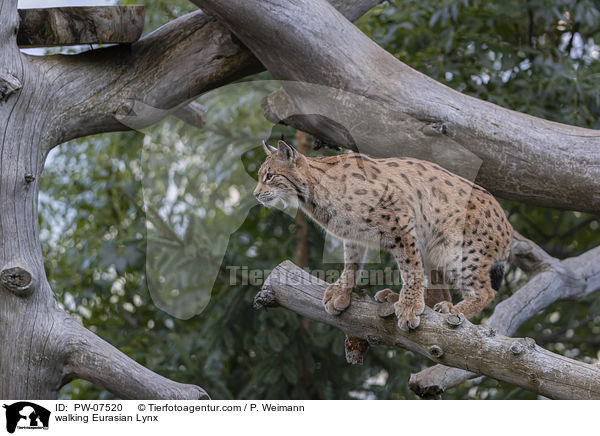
(163, 70)
(553, 280)
(10, 23)
(168, 67)
(95, 360)
(80, 25)
(541, 162)
(448, 339)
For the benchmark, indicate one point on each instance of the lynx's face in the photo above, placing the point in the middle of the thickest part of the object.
(280, 177)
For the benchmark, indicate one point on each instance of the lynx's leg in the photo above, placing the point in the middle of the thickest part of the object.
(337, 295)
(411, 303)
(477, 292)
(475, 284)
(481, 269)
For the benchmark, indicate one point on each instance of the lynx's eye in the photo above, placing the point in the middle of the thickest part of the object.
(267, 177)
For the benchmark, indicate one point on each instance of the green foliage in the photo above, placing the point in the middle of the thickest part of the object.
(103, 258)
(535, 56)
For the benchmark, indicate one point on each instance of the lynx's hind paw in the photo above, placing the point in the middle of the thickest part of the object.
(445, 307)
(387, 296)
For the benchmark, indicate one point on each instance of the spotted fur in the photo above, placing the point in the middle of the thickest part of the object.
(428, 218)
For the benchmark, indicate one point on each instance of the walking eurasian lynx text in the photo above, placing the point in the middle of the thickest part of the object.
(428, 218)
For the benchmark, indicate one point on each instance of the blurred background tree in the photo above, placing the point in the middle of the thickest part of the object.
(538, 56)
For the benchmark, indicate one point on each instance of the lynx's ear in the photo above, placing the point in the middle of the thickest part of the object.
(286, 152)
(268, 148)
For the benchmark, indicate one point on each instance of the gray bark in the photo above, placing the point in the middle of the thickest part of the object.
(45, 101)
(179, 61)
(170, 66)
(90, 358)
(308, 41)
(42, 346)
(447, 339)
(80, 25)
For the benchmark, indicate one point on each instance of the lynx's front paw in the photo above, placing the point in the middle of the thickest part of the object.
(409, 314)
(336, 299)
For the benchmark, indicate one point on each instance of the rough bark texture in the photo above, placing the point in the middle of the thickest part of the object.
(80, 25)
(541, 162)
(24, 289)
(45, 101)
(164, 70)
(448, 339)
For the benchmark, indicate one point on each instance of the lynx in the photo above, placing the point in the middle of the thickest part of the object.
(428, 218)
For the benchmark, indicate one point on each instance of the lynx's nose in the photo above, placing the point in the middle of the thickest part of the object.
(256, 192)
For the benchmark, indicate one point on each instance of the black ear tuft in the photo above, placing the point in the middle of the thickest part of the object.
(286, 152)
(268, 148)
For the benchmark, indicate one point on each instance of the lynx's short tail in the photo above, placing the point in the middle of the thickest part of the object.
(497, 270)
(496, 275)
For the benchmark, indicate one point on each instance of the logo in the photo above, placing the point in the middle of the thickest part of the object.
(26, 415)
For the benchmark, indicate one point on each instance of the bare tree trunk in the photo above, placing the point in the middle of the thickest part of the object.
(42, 346)
(28, 313)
